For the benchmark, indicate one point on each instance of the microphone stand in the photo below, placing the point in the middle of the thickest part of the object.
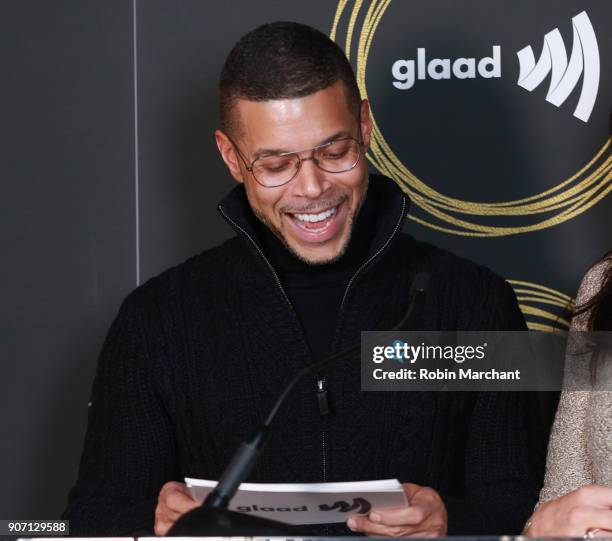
(213, 518)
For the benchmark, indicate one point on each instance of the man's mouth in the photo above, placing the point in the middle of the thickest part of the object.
(317, 226)
(315, 221)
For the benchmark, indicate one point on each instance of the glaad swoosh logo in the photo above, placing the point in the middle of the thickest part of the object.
(584, 61)
(359, 506)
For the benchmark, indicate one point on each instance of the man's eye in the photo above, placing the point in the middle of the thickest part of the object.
(277, 166)
(334, 155)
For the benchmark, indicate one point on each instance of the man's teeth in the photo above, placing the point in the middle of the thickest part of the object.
(316, 217)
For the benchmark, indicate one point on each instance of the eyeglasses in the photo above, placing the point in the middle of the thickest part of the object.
(337, 156)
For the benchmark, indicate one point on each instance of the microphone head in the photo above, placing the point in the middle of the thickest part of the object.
(416, 295)
(420, 283)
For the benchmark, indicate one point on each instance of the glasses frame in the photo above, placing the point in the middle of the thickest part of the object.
(296, 153)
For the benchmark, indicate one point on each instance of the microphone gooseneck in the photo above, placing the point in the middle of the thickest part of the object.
(247, 454)
(213, 518)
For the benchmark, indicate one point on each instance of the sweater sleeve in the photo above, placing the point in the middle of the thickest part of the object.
(505, 447)
(129, 451)
(568, 466)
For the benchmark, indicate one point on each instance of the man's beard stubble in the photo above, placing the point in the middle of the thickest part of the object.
(351, 219)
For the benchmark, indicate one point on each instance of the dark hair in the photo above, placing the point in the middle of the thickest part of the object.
(600, 313)
(283, 60)
(600, 305)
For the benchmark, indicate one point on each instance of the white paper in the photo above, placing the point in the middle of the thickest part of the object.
(307, 503)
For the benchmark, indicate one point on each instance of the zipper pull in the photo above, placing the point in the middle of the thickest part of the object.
(322, 397)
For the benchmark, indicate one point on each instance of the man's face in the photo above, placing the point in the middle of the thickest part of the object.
(313, 214)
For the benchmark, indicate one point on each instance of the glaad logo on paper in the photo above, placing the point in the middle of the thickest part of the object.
(584, 61)
(360, 506)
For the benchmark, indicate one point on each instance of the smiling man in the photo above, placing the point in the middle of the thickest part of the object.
(309, 198)
(197, 356)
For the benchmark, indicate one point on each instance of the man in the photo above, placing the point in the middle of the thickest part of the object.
(198, 355)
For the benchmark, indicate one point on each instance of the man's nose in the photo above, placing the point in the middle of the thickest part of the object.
(311, 181)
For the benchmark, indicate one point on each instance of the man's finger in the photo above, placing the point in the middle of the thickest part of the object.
(167, 517)
(398, 516)
(363, 525)
(172, 486)
(173, 502)
(172, 515)
(161, 527)
(410, 489)
(180, 502)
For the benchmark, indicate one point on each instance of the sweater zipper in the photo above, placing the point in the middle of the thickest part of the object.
(321, 389)
(322, 396)
(260, 251)
(375, 255)
(323, 410)
(321, 381)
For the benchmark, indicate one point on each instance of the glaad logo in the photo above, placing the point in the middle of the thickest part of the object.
(583, 61)
(441, 68)
(360, 506)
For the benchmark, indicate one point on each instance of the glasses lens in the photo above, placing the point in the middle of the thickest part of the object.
(275, 170)
(339, 156)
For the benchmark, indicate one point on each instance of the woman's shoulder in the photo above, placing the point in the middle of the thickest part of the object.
(589, 286)
(593, 279)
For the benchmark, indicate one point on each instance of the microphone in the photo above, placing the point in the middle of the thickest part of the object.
(416, 296)
(213, 518)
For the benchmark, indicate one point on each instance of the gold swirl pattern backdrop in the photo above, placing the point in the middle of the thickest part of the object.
(358, 21)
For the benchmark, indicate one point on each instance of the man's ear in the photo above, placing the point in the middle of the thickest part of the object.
(366, 124)
(229, 155)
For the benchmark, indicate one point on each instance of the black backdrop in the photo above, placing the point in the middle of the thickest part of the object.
(110, 173)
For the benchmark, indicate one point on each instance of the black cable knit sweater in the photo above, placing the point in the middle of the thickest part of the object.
(197, 356)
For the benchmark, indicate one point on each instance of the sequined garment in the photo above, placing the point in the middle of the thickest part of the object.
(580, 446)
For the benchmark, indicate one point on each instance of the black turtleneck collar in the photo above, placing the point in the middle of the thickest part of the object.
(316, 291)
(383, 211)
(294, 271)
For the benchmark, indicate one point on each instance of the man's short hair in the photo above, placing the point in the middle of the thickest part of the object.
(282, 60)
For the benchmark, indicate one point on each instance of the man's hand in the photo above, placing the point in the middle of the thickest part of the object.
(174, 501)
(424, 517)
(584, 511)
